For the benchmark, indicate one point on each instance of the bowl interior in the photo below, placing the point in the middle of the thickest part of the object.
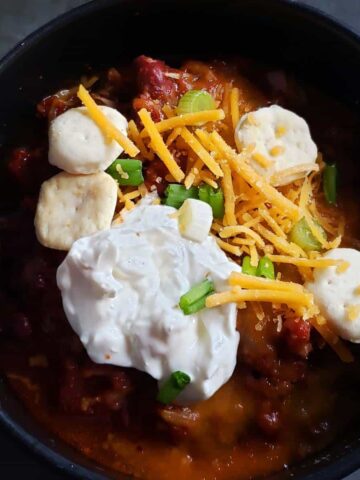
(106, 33)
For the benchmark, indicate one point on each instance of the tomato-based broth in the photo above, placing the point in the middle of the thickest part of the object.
(293, 390)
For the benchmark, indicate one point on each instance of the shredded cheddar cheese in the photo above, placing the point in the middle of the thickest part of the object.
(315, 230)
(261, 159)
(173, 136)
(305, 194)
(251, 120)
(242, 241)
(233, 249)
(277, 150)
(204, 138)
(234, 106)
(287, 172)
(159, 146)
(254, 179)
(169, 112)
(250, 222)
(280, 243)
(273, 296)
(342, 267)
(200, 151)
(254, 256)
(352, 312)
(260, 315)
(333, 340)
(135, 136)
(250, 281)
(229, 196)
(227, 232)
(143, 190)
(187, 119)
(306, 262)
(280, 131)
(131, 195)
(207, 178)
(265, 215)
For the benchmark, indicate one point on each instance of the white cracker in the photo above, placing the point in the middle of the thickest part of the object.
(259, 129)
(78, 146)
(335, 292)
(73, 206)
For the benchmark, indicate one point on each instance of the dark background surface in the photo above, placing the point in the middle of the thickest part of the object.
(18, 18)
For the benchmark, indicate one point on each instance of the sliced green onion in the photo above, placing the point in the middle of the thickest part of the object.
(172, 387)
(246, 266)
(215, 198)
(126, 172)
(196, 306)
(195, 299)
(176, 194)
(204, 194)
(195, 101)
(302, 236)
(265, 269)
(329, 183)
(196, 292)
(217, 202)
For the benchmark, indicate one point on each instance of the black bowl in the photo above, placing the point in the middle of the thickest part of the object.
(106, 32)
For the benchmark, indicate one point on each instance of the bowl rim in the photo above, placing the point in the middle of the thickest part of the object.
(337, 469)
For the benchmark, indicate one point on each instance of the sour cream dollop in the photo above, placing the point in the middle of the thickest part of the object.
(121, 289)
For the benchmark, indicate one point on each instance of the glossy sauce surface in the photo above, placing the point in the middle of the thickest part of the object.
(282, 402)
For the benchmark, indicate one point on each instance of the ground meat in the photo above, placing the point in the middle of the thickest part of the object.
(152, 78)
(158, 85)
(20, 325)
(12, 320)
(268, 418)
(296, 332)
(54, 105)
(155, 87)
(155, 173)
(70, 387)
(30, 167)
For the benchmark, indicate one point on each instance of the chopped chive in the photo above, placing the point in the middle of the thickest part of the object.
(329, 183)
(195, 101)
(215, 198)
(194, 300)
(302, 236)
(172, 387)
(247, 268)
(126, 172)
(176, 194)
(265, 269)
